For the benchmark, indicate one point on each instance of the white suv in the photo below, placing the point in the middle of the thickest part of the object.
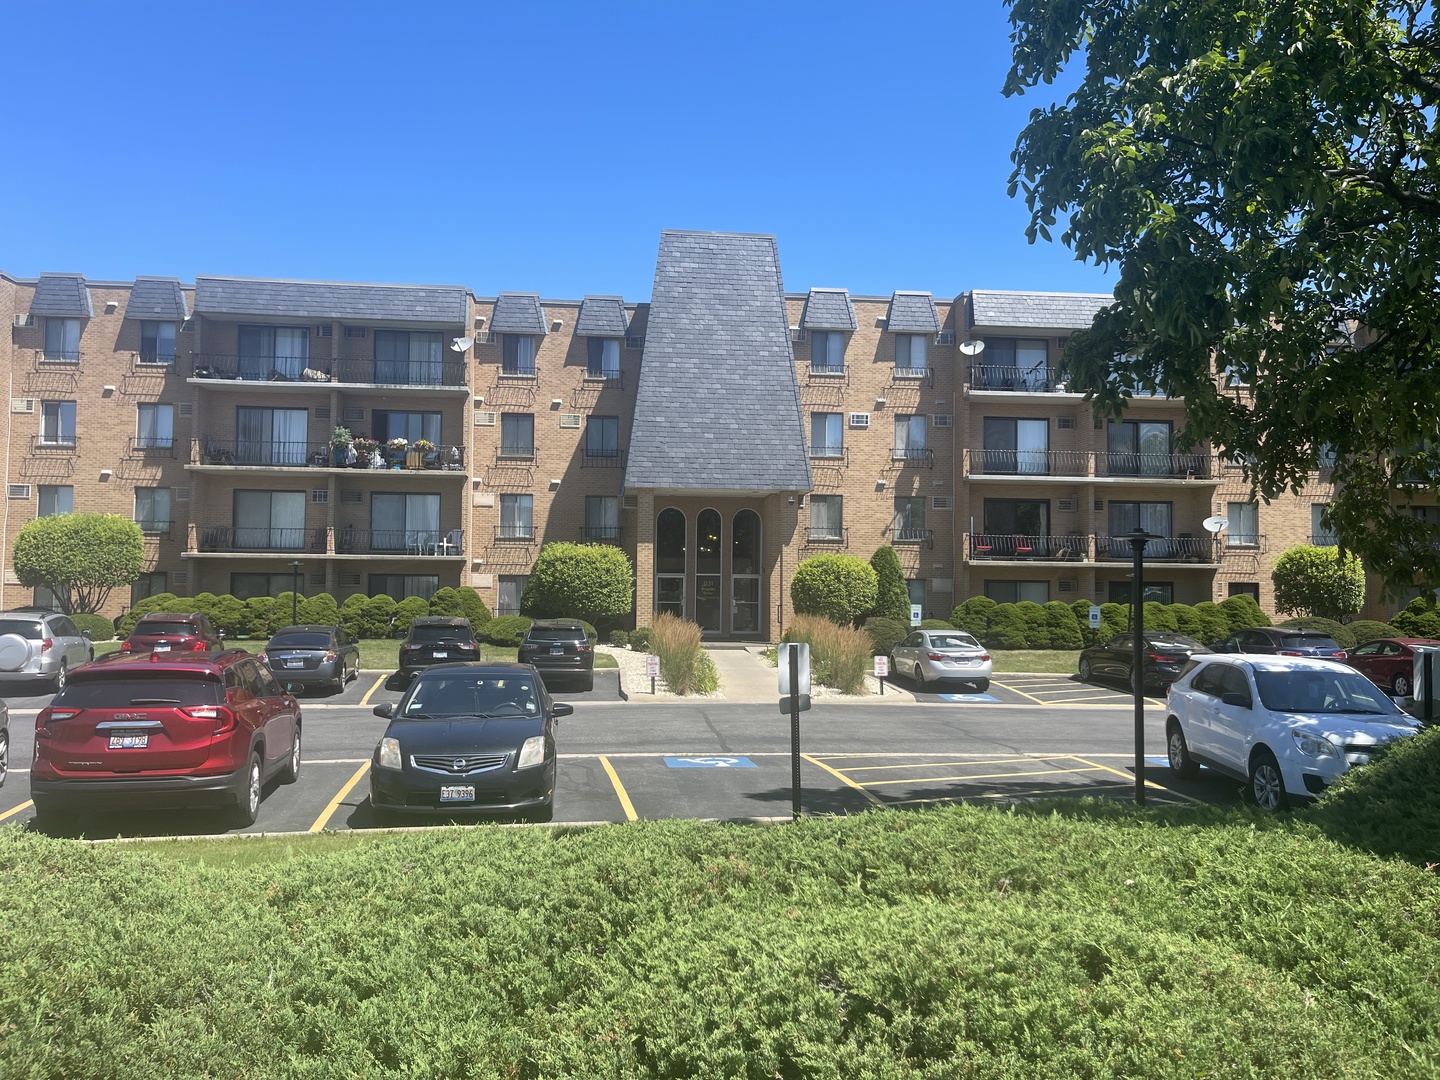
(1287, 725)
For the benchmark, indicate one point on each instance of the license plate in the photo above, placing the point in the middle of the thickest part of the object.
(162, 648)
(440, 655)
(557, 650)
(129, 742)
(294, 663)
(457, 793)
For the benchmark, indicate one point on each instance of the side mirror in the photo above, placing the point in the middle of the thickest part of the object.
(85, 633)
(1239, 701)
(561, 708)
(294, 687)
(385, 709)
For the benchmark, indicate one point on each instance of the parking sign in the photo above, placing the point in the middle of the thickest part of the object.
(1094, 617)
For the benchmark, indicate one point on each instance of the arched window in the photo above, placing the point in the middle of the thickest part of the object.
(745, 543)
(670, 541)
(707, 542)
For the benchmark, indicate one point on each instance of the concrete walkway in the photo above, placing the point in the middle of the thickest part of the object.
(745, 677)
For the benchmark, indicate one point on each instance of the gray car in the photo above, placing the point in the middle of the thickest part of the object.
(41, 646)
(930, 656)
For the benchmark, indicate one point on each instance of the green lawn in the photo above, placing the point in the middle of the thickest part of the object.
(1063, 661)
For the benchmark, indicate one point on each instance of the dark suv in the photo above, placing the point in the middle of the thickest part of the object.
(1281, 641)
(171, 632)
(437, 639)
(560, 648)
(157, 730)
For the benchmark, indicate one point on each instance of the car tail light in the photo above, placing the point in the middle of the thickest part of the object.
(412, 645)
(223, 717)
(329, 656)
(984, 656)
(1341, 655)
(44, 717)
(46, 644)
(587, 647)
(1288, 652)
(1161, 658)
(125, 645)
(935, 656)
(154, 657)
(199, 646)
(264, 659)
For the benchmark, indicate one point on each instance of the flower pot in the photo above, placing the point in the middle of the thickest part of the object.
(415, 459)
(339, 455)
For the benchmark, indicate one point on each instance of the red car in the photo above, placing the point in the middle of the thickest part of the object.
(171, 632)
(165, 730)
(1389, 662)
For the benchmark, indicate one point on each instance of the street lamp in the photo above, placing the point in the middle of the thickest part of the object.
(1137, 538)
(295, 592)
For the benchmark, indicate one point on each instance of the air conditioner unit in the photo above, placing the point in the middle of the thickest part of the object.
(18, 491)
(798, 333)
(942, 502)
(569, 420)
(1069, 585)
(22, 405)
(317, 578)
(945, 337)
(182, 494)
(859, 419)
(940, 419)
(630, 502)
(1064, 422)
(484, 417)
(180, 577)
(325, 330)
(350, 581)
(352, 415)
(1065, 505)
(23, 320)
(1099, 504)
(351, 495)
(355, 331)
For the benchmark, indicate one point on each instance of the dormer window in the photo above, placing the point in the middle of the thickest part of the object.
(157, 342)
(603, 358)
(910, 354)
(518, 357)
(62, 339)
(827, 351)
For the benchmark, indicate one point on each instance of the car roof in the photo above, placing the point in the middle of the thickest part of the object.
(211, 660)
(440, 620)
(306, 628)
(156, 616)
(559, 624)
(1266, 662)
(479, 667)
(1407, 640)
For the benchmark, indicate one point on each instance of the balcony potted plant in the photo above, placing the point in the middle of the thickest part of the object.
(364, 451)
(420, 455)
(340, 446)
(395, 451)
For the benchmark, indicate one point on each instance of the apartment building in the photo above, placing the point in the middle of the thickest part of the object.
(720, 433)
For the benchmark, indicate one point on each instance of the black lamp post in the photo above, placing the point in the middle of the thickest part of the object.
(1137, 538)
(295, 592)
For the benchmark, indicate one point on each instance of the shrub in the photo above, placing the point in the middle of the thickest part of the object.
(229, 616)
(840, 587)
(590, 632)
(934, 624)
(1213, 623)
(1063, 627)
(101, 628)
(839, 655)
(892, 597)
(1186, 621)
(1243, 611)
(280, 614)
(319, 610)
(1342, 635)
(884, 635)
(619, 639)
(1032, 619)
(1007, 628)
(973, 616)
(352, 615)
(1159, 617)
(473, 608)
(1114, 619)
(446, 601)
(684, 665)
(1318, 581)
(590, 581)
(1370, 630)
(640, 639)
(205, 603)
(159, 602)
(1419, 619)
(379, 617)
(259, 610)
(507, 630)
(407, 611)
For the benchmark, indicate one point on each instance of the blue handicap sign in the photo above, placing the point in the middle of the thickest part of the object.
(970, 699)
(709, 762)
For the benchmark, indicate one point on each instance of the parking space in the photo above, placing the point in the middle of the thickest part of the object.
(1024, 689)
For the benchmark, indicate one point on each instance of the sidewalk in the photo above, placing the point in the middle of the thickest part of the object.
(745, 677)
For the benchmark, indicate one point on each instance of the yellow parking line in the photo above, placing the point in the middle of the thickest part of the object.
(874, 799)
(15, 810)
(1057, 792)
(939, 764)
(1131, 778)
(625, 803)
(977, 776)
(339, 795)
(1020, 692)
(366, 699)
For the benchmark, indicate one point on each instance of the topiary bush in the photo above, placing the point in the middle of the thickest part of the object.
(1213, 623)
(472, 607)
(1342, 634)
(842, 588)
(884, 635)
(204, 603)
(934, 624)
(101, 628)
(640, 639)
(1421, 618)
(892, 597)
(229, 616)
(1007, 628)
(446, 601)
(352, 615)
(507, 631)
(619, 639)
(1032, 619)
(1063, 629)
(379, 617)
(319, 610)
(588, 581)
(1365, 630)
(1159, 617)
(407, 611)
(973, 616)
(281, 612)
(259, 610)
(1114, 619)
(159, 602)
(1242, 611)
(1186, 621)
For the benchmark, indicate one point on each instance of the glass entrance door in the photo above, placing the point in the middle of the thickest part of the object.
(709, 594)
(707, 602)
(670, 594)
(745, 604)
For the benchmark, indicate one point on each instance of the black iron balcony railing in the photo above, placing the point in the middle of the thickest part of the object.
(66, 358)
(350, 540)
(913, 455)
(600, 534)
(515, 532)
(602, 457)
(829, 455)
(261, 539)
(1324, 539)
(828, 534)
(915, 376)
(150, 446)
(1028, 462)
(828, 372)
(1037, 379)
(278, 453)
(153, 358)
(609, 380)
(315, 370)
(518, 371)
(155, 528)
(1186, 547)
(54, 444)
(515, 454)
(1069, 548)
(1244, 542)
(911, 535)
(1158, 466)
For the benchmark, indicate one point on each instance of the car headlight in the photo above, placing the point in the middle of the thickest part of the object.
(390, 754)
(1312, 745)
(532, 752)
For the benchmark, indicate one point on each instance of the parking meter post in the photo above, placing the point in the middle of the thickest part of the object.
(794, 733)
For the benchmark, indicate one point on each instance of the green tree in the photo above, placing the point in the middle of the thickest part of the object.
(1319, 581)
(589, 581)
(1265, 180)
(79, 557)
(893, 597)
(840, 587)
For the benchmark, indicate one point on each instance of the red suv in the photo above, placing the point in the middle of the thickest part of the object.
(165, 730)
(170, 632)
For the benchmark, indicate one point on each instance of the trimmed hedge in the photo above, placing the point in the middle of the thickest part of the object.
(1057, 625)
(1370, 630)
(884, 634)
(1342, 634)
(640, 639)
(507, 630)
(101, 628)
(1421, 618)
(842, 588)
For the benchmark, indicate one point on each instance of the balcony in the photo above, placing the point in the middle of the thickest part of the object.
(828, 374)
(1085, 464)
(905, 456)
(1185, 548)
(833, 456)
(144, 446)
(600, 534)
(1027, 462)
(312, 370)
(1324, 539)
(912, 376)
(1144, 466)
(515, 534)
(602, 458)
(54, 444)
(281, 454)
(827, 536)
(261, 539)
(909, 535)
(352, 541)
(155, 530)
(1028, 380)
(1014, 546)
(48, 359)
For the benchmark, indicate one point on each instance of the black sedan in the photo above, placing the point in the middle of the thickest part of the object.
(313, 656)
(1164, 654)
(468, 739)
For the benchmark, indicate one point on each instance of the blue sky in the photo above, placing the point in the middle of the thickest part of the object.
(537, 147)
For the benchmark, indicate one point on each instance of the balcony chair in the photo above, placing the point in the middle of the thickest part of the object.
(449, 544)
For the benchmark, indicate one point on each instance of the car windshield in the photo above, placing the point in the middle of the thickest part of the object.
(299, 641)
(1313, 691)
(953, 641)
(556, 633)
(439, 633)
(1308, 641)
(23, 627)
(437, 696)
(168, 629)
(119, 692)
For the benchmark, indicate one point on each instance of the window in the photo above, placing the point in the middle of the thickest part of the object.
(151, 584)
(1139, 448)
(1320, 536)
(152, 510)
(56, 500)
(826, 520)
(1017, 520)
(270, 520)
(244, 586)
(410, 426)
(512, 589)
(910, 518)
(1156, 592)
(403, 586)
(404, 522)
(602, 437)
(1245, 588)
(1014, 364)
(517, 517)
(517, 435)
(1012, 592)
(827, 434)
(1244, 530)
(268, 352)
(408, 357)
(909, 437)
(602, 517)
(270, 436)
(155, 427)
(1152, 517)
(62, 339)
(1016, 446)
(827, 351)
(518, 355)
(57, 423)
(910, 353)
(157, 342)
(916, 588)
(602, 358)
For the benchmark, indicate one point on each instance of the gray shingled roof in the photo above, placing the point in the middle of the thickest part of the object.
(912, 313)
(1041, 311)
(62, 294)
(157, 298)
(332, 300)
(601, 316)
(518, 313)
(717, 407)
(828, 309)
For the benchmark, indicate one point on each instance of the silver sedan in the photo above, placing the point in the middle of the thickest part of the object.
(935, 655)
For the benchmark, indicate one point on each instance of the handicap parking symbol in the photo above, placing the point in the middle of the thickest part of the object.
(970, 699)
(712, 762)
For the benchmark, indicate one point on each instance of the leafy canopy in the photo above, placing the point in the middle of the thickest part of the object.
(79, 557)
(1318, 581)
(1264, 177)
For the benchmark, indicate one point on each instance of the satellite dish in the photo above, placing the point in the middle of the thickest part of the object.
(972, 348)
(1216, 524)
(460, 344)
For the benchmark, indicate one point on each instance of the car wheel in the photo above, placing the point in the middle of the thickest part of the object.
(291, 771)
(4, 758)
(61, 677)
(1401, 686)
(981, 685)
(1267, 785)
(1084, 670)
(248, 808)
(1181, 763)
